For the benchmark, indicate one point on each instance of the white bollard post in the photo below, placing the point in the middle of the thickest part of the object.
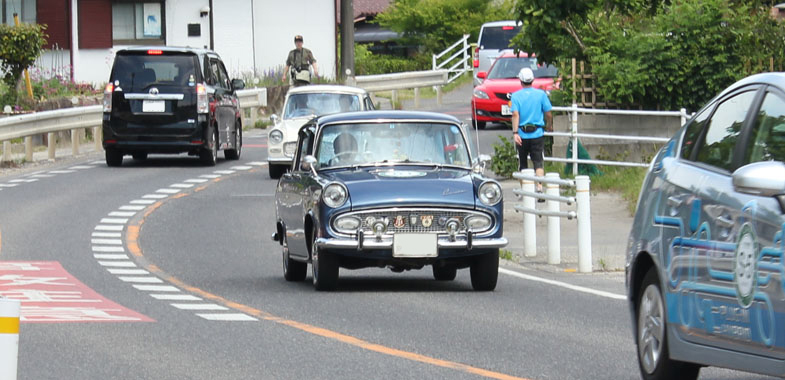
(529, 220)
(554, 222)
(574, 129)
(584, 223)
(9, 338)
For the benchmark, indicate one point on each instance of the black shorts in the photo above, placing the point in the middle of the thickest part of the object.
(531, 148)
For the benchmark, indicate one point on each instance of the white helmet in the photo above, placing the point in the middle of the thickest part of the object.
(526, 75)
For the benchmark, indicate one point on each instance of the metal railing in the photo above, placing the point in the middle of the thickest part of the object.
(401, 81)
(573, 113)
(457, 63)
(76, 120)
(554, 199)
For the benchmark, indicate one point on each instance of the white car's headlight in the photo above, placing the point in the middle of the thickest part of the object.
(481, 94)
(335, 195)
(347, 224)
(490, 193)
(477, 223)
(276, 137)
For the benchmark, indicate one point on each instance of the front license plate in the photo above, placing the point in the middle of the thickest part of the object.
(154, 106)
(414, 245)
(506, 110)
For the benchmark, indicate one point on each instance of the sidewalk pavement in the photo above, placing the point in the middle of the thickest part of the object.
(610, 226)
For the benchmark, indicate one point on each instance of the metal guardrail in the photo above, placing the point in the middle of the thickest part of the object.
(573, 112)
(77, 119)
(400, 81)
(460, 59)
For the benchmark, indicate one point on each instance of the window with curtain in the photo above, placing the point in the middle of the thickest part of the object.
(137, 22)
(24, 8)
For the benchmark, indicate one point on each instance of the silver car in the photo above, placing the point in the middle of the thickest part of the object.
(494, 39)
(301, 105)
(705, 260)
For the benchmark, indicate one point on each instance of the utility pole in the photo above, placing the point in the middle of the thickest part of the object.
(347, 38)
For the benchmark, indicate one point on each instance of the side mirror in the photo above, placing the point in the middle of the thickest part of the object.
(482, 74)
(760, 178)
(482, 162)
(309, 163)
(238, 84)
(274, 118)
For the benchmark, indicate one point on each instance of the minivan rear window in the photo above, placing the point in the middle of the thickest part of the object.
(497, 37)
(138, 72)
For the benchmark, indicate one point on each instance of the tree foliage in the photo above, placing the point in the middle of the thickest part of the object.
(436, 24)
(667, 55)
(20, 46)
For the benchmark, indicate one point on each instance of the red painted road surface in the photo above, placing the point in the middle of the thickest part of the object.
(49, 294)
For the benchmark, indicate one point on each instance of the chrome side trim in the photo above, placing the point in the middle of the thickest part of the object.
(154, 97)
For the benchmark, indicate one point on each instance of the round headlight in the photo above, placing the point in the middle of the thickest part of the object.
(335, 195)
(477, 223)
(347, 223)
(490, 193)
(276, 137)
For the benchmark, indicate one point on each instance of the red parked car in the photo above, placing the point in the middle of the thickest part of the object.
(491, 99)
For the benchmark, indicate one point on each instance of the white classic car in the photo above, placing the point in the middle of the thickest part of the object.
(301, 105)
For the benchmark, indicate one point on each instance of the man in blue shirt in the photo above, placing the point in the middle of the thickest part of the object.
(531, 116)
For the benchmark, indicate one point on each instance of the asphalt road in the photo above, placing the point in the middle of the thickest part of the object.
(188, 248)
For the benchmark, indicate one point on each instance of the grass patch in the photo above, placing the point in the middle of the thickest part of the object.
(428, 92)
(505, 254)
(626, 181)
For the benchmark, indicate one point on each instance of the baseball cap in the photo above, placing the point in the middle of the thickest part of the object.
(298, 38)
(526, 75)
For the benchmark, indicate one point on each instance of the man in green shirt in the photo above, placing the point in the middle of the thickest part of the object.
(298, 64)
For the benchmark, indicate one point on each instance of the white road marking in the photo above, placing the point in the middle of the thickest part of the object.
(97, 248)
(168, 191)
(565, 285)
(110, 256)
(182, 185)
(107, 241)
(42, 175)
(142, 280)
(9, 184)
(199, 306)
(175, 297)
(196, 180)
(227, 317)
(157, 288)
(81, 167)
(25, 180)
(109, 228)
(210, 176)
(127, 271)
(223, 171)
(241, 167)
(61, 171)
(97, 162)
(114, 220)
(117, 264)
(256, 163)
(142, 201)
(155, 196)
(132, 208)
(107, 234)
(122, 213)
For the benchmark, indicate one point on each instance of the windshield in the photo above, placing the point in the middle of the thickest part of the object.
(318, 104)
(397, 142)
(507, 68)
(497, 37)
(136, 73)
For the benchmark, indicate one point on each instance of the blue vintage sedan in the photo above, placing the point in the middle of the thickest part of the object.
(388, 189)
(706, 255)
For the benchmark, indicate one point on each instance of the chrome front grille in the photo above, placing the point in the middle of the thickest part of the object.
(413, 220)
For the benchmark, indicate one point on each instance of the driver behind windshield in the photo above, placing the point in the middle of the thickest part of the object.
(345, 149)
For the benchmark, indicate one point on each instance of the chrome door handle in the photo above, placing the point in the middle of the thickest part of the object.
(724, 222)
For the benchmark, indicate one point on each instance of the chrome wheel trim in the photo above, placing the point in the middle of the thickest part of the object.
(215, 147)
(651, 328)
(285, 255)
(315, 262)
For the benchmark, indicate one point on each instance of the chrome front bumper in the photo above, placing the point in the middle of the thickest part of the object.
(369, 243)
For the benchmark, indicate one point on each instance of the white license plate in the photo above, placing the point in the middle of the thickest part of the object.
(154, 106)
(414, 245)
(506, 110)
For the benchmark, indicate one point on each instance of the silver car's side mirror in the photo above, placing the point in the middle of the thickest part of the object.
(274, 118)
(760, 178)
(482, 162)
(310, 164)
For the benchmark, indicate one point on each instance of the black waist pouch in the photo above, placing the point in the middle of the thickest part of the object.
(529, 128)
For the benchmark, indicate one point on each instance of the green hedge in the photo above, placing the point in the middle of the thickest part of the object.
(367, 63)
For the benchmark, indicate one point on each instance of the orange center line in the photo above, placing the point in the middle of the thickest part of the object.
(132, 242)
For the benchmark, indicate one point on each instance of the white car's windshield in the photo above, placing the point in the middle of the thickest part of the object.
(508, 68)
(318, 104)
(396, 142)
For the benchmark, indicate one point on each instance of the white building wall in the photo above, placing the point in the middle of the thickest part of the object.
(233, 38)
(180, 13)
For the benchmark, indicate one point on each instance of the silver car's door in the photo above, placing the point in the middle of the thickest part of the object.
(299, 181)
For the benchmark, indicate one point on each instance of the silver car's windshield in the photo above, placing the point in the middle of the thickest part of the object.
(392, 142)
(317, 104)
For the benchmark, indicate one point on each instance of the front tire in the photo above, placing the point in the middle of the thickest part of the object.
(114, 157)
(234, 154)
(209, 155)
(324, 266)
(275, 171)
(651, 336)
(478, 124)
(444, 273)
(485, 271)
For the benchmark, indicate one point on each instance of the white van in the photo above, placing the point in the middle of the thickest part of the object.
(494, 39)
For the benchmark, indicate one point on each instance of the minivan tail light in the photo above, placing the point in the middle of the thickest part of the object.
(476, 60)
(108, 97)
(202, 104)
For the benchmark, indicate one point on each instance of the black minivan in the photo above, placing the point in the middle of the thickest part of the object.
(171, 100)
